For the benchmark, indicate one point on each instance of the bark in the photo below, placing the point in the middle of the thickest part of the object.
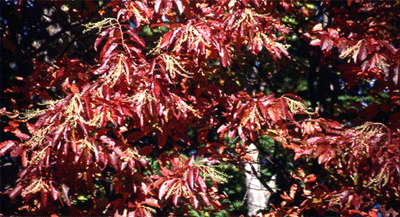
(258, 194)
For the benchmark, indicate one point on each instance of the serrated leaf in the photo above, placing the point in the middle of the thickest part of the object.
(195, 202)
(317, 27)
(16, 191)
(44, 196)
(202, 184)
(166, 40)
(135, 37)
(16, 151)
(165, 187)
(6, 146)
(101, 36)
(24, 158)
(108, 50)
(209, 160)
(135, 136)
(152, 202)
(190, 161)
(145, 151)
(53, 191)
(180, 6)
(176, 198)
(191, 178)
(315, 42)
(157, 5)
(362, 53)
(64, 194)
(326, 43)
(205, 199)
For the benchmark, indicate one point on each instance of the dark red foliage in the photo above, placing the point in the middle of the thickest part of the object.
(135, 93)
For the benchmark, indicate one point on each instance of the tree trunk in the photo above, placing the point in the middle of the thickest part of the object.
(257, 194)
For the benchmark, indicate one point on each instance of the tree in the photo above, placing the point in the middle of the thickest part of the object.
(148, 129)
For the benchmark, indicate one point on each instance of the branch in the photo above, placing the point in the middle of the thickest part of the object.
(254, 172)
(285, 175)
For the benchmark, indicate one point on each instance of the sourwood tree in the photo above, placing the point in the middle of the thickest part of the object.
(179, 91)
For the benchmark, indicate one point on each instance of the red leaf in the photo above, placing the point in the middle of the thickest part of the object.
(290, 95)
(16, 151)
(372, 213)
(323, 158)
(202, 184)
(74, 89)
(191, 178)
(147, 213)
(145, 189)
(135, 136)
(111, 42)
(16, 191)
(335, 125)
(327, 43)
(232, 133)
(152, 202)
(196, 173)
(107, 140)
(202, 136)
(176, 198)
(21, 135)
(24, 159)
(310, 178)
(395, 77)
(205, 199)
(88, 109)
(146, 150)
(285, 109)
(53, 191)
(315, 42)
(166, 40)
(389, 46)
(190, 161)
(134, 213)
(101, 36)
(113, 158)
(135, 37)
(333, 33)
(256, 2)
(263, 110)
(6, 146)
(31, 127)
(64, 194)
(273, 113)
(47, 157)
(180, 6)
(209, 160)
(44, 195)
(8, 45)
(162, 139)
(315, 140)
(103, 68)
(195, 202)
(157, 5)
(349, 2)
(165, 187)
(223, 54)
(356, 201)
(362, 52)
(106, 53)
(224, 57)
(222, 128)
